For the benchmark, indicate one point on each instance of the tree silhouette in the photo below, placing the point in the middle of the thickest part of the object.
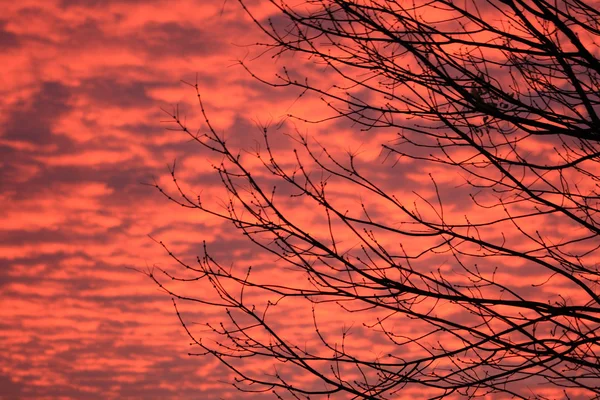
(500, 295)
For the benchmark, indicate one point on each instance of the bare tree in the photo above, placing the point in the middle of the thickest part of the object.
(504, 94)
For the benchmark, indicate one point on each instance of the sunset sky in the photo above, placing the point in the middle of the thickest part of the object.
(83, 139)
(83, 83)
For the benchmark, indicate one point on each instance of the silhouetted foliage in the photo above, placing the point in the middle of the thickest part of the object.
(500, 295)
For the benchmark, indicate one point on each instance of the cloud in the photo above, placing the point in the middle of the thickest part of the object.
(32, 120)
(8, 39)
(81, 131)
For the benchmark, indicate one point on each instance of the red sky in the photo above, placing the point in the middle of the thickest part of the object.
(83, 83)
(82, 86)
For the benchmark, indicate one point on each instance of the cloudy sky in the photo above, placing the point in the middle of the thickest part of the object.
(83, 139)
(83, 86)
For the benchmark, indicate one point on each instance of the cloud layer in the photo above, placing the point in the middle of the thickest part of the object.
(82, 142)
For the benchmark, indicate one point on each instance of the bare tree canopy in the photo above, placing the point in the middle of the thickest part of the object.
(490, 287)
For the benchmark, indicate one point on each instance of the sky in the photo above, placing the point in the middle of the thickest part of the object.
(83, 88)
(83, 84)
(83, 139)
